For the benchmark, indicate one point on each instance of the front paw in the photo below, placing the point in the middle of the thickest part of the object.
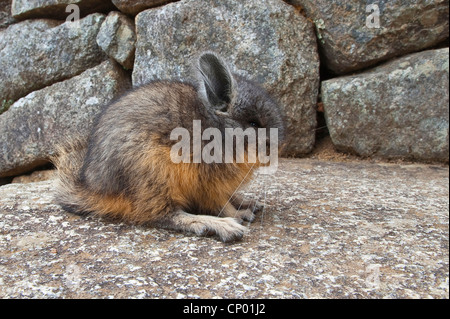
(245, 215)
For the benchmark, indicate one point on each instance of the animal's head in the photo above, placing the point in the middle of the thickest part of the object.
(234, 101)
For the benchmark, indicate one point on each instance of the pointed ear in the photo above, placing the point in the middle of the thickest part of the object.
(216, 83)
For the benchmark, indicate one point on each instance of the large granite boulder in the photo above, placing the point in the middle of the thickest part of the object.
(268, 41)
(397, 110)
(117, 37)
(57, 9)
(33, 125)
(356, 34)
(38, 53)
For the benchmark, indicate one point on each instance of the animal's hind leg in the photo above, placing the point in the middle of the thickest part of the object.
(228, 229)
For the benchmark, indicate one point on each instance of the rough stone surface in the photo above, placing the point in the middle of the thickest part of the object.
(397, 110)
(56, 9)
(37, 53)
(348, 43)
(133, 7)
(268, 41)
(329, 230)
(36, 176)
(5, 14)
(33, 125)
(117, 37)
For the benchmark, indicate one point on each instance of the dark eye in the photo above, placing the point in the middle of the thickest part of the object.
(254, 123)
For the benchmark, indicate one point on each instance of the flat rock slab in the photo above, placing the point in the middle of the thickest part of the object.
(329, 230)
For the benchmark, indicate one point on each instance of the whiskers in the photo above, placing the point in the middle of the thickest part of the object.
(259, 192)
(319, 128)
(237, 188)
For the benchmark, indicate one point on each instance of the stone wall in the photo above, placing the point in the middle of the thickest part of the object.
(61, 60)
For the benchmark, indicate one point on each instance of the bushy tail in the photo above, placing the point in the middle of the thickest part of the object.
(68, 160)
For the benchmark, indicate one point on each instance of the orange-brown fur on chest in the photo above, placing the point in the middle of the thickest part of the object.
(196, 185)
(206, 186)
